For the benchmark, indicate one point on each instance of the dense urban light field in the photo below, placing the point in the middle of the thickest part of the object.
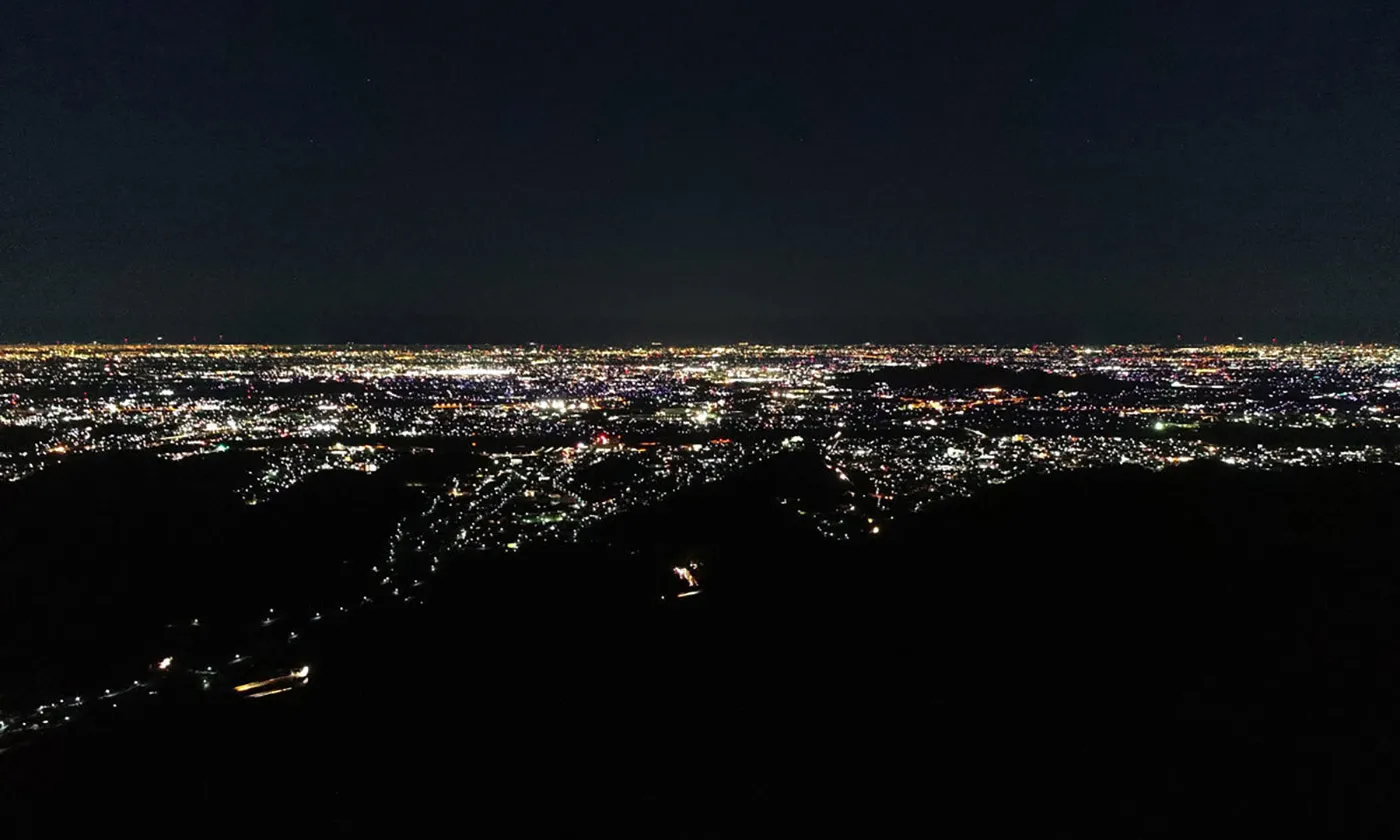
(566, 407)
(552, 442)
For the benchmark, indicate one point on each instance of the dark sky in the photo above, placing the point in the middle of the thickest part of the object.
(609, 172)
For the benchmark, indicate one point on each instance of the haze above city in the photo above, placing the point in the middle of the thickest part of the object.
(1018, 173)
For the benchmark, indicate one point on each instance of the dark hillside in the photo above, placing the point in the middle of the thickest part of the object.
(1195, 651)
(99, 554)
(965, 376)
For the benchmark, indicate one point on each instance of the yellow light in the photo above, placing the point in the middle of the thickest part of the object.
(165, 663)
(270, 693)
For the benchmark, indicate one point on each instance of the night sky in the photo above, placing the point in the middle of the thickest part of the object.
(606, 172)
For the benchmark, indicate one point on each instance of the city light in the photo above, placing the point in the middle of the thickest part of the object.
(563, 442)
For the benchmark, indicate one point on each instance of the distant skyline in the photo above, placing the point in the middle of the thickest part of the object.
(625, 173)
(1182, 342)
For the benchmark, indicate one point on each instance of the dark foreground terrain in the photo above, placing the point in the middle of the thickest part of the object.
(1196, 652)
